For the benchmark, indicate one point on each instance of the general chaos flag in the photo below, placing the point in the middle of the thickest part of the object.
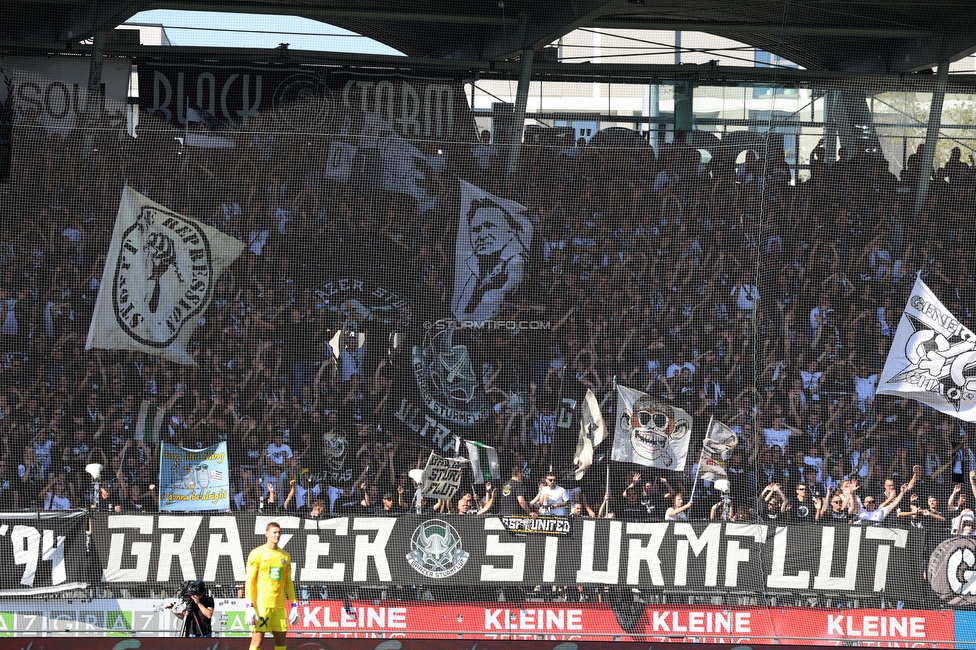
(650, 432)
(159, 278)
(932, 357)
(592, 432)
(717, 448)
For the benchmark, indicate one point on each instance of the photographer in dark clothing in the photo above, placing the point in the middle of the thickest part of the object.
(198, 609)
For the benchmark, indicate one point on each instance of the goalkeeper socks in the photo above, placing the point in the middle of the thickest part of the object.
(254, 647)
(280, 647)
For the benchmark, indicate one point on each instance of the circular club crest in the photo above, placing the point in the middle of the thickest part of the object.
(952, 571)
(436, 550)
(163, 277)
(303, 102)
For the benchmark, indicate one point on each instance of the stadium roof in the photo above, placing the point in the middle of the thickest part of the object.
(866, 36)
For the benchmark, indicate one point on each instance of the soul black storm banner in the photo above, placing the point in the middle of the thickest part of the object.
(466, 551)
(308, 99)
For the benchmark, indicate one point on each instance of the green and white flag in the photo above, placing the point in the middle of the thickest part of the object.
(484, 462)
(149, 422)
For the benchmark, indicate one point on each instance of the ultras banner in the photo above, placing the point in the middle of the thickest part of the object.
(854, 560)
(357, 622)
(306, 99)
(42, 553)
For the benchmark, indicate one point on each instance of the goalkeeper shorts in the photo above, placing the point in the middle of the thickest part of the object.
(273, 620)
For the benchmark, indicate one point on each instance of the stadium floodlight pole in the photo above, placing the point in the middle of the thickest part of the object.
(521, 99)
(931, 134)
(93, 105)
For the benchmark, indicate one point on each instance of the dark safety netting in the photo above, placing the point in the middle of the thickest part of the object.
(620, 380)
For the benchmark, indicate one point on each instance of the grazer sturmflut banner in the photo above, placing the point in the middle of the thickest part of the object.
(159, 278)
(42, 553)
(309, 99)
(745, 558)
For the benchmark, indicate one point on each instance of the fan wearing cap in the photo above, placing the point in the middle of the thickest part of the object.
(964, 523)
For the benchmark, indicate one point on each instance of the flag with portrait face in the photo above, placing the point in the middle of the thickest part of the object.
(493, 240)
(932, 358)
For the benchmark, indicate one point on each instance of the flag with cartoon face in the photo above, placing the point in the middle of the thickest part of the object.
(650, 432)
(932, 358)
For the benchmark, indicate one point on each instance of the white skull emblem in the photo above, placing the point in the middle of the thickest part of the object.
(653, 427)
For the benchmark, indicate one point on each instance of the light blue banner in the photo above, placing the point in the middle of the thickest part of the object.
(191, 480)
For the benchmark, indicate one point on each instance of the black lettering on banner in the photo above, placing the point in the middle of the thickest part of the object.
(414, 107)
(749, 558)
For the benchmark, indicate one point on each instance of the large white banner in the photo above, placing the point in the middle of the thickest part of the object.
(159, 278)
(54, 91)
(932, 358)
(650, 432)
(493, 241)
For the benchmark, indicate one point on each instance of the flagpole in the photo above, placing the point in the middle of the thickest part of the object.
(607, 491)
(694, 485)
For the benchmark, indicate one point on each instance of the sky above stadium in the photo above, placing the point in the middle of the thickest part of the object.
(199, 28)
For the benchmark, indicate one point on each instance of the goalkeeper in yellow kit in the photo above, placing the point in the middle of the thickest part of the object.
(268, 585)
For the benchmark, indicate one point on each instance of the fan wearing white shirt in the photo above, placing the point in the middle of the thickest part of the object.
(779, 434)
(552, 499)
(54, 496)
(869, 511)
(865, 385)
(277, 453)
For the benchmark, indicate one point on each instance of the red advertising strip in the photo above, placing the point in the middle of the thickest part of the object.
(870, 627)
(598, 622)
(155, 643)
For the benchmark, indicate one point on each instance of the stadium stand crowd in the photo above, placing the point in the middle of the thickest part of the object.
(724, 289)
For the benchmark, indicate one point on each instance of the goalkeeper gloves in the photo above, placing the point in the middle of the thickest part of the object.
(293, 615)
(250, 614)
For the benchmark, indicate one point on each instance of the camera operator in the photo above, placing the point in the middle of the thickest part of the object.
(198, 609)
